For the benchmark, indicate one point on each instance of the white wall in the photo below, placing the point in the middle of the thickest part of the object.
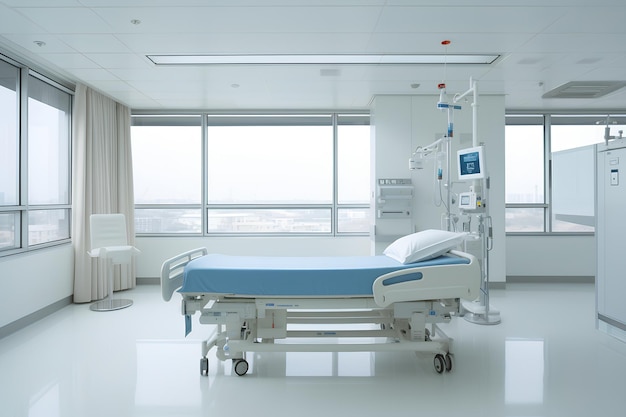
(402, 123)
(544, 256)
(34, 280)
(155, 250)
(391, 130)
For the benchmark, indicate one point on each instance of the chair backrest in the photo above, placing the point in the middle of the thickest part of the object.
(108, 230)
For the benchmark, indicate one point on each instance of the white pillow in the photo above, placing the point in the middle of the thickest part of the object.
(423, 245)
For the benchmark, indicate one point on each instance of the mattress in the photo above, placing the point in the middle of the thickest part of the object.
(295, 276)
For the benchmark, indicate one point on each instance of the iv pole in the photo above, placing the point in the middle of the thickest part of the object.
(480, 312)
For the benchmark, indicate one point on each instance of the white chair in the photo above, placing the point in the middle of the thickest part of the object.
(109, 242)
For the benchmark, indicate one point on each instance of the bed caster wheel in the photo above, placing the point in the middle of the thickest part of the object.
(240, 366)
(204, 366)
(440, 363)
(448, 359)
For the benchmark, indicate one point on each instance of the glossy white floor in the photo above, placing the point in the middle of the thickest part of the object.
(545, 359)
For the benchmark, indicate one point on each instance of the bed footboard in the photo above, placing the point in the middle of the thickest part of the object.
(430, 282)
(172, 271)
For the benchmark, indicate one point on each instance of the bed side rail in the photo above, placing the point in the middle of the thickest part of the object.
(172, 271)
(430, 282)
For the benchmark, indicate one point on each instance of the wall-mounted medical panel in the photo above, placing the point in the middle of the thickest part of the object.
(394, 198)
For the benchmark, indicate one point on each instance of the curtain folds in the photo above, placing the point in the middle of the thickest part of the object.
(102, 182)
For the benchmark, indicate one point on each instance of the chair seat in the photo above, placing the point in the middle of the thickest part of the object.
(117, 254)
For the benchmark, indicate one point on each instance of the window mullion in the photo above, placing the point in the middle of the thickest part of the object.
(204, 182)
(334, 217)
(23, 170)
(547, 143)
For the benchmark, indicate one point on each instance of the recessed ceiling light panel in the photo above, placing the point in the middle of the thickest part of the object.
(315, 59)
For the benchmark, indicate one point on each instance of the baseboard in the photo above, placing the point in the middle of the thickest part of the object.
(148, 281)
(612, 327)
(33, 317)
(552, 279)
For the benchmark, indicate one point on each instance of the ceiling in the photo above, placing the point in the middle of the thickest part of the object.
(543, 44)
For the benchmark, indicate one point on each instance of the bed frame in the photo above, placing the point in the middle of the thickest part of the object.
(394, 319)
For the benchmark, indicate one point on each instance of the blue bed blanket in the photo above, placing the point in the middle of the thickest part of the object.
(294, 276)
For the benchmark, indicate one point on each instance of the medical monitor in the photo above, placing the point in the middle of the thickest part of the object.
(471, 163)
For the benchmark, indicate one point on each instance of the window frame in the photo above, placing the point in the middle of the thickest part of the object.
(243, 119)
(22, 209)
(533, 120)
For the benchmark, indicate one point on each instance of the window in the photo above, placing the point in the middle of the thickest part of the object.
(569, 132)
(353, 168)
(167, 170)
(264, 161)
(48, 163)
(270, 160)
(9, 157)
(251, 174)
(524, 184)
(530, 142)
(35, 198)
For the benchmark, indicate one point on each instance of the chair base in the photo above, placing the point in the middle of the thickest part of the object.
(110, 304)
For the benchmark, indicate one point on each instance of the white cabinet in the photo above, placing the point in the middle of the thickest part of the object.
(610, 235)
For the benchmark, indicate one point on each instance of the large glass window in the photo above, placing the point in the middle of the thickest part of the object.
(48, 162)
(353, 174)
(530, 142)
(251, 174)
(9, 140)
(567, 132)
(575, 131)
(35, 199)
(524, 181)
(270, 160)
(167, 173)
(9, 157)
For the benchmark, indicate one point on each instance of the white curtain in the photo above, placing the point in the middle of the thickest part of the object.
(102, 182)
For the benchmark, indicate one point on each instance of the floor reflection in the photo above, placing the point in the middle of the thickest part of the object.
(46, 403)
(524, 371)
(163, 375)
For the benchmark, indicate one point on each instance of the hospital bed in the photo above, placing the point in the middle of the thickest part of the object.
(321, 304)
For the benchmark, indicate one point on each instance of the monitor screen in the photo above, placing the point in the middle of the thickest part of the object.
(471, 163)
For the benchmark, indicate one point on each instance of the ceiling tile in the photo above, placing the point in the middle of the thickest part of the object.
(12, 23)
(127, 61)
(93, 74)
(419, 19)
(116, 87)
(598, 19)
(69, 61)
(246, 43)
(228, 3)
(94, 43)
(576, 43)
(248, 19)
(52, 43)
(41, 3)
(461, 43)
(66, 19)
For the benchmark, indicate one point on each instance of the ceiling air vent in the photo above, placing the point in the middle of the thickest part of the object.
(585, 89)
